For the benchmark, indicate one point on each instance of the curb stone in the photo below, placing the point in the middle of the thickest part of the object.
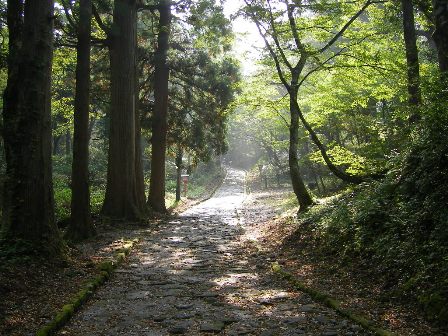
(329, 301)
(106, 269)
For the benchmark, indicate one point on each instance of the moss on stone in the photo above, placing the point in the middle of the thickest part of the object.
(106, 269)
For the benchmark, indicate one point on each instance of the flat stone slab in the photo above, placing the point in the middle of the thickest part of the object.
(138, 295)
(179, 328)
(212, 327)
(207, 295)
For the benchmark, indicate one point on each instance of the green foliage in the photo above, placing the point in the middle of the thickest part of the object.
(353, 93)
(210, 27)
(399, 224)
(62, 199)
(204, 180)
(96, 199)
(354, 164)
(259, 126)
(61, 186)
(62, 166)
(201, 183)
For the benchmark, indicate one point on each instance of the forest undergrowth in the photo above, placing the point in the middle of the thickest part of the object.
(391, 233)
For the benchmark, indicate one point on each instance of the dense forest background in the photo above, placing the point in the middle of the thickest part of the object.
(106, 114)
(107, 103)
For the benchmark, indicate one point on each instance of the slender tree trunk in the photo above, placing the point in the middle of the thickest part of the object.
(413, 69)
(316, 181)
(274, 159)
(28, 210)
(121, 195)
(179, 156)
(56, 140)
(81, 225)
(156, 199)
(92, 123)
(440, 10)
(324, 189)
(303, 196)
(68, 143)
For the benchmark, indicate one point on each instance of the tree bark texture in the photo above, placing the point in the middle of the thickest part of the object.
(121, 196)
(139, 177)
(81, 225)
(179, 156)
(156, 199)
(440, 10)
(303, 196)
(28, 211)
(410, 42)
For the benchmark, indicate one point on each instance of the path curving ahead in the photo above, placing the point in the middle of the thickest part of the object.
(192, 276)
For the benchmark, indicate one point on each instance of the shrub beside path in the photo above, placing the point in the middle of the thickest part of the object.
(197, 275)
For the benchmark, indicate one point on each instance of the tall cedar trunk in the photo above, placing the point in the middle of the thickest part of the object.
(28, 213)
(179, 156)
(121, 196)
(156, 199)
(410, 42)
(441, 34)
(303, 196)
(139, 177)
(81, 225)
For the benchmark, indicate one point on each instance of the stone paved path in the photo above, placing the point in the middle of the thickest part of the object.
(193, 276)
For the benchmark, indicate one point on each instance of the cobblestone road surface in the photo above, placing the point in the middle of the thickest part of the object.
(194, 276)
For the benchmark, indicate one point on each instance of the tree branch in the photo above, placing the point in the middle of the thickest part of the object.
(274, 36)
(68, 15)
(426, 9)
(151, 8)
(345, 27)
(98, 19)
(293, 25)
(320, 66)
(270, 49)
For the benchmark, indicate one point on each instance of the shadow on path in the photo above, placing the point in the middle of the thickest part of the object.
(194, 276)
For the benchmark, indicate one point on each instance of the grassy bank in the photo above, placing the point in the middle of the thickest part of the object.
(397, 226)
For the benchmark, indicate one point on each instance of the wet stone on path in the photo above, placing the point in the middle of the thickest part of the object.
(192, 276)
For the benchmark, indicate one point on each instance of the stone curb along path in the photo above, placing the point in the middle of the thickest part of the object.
(106, 268)
(194, 276)
(329, 302)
